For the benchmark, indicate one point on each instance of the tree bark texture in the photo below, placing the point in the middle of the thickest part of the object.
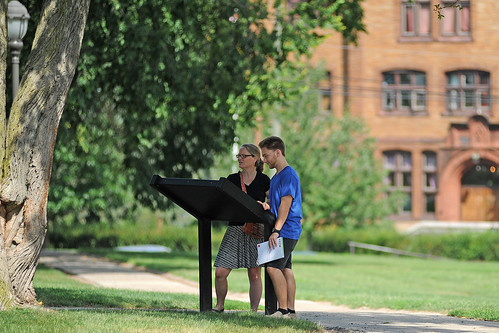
(28, 145)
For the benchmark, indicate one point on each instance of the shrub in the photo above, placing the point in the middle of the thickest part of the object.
(467, 246)
(457, 245)
(335, 239)
(464, 245)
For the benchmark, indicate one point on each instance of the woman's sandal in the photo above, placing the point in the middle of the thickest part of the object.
(217, 311)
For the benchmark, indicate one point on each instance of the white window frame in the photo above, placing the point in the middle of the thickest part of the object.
(429, 170)
(456, 14)
(416, 18)
(393, 94)
(399, 169)
(456, 94)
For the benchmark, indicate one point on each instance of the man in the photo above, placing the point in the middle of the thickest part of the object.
(285, 202)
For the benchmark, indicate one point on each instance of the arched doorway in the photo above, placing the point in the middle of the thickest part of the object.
(462, 167)
(480, 192)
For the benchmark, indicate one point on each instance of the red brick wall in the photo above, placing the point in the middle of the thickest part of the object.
(381, 49)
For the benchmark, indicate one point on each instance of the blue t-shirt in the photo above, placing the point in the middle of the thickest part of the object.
(282, 184)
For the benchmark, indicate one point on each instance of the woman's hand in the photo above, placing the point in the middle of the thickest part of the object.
(265, 205)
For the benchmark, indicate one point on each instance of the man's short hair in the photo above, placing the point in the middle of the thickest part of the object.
(273, 143)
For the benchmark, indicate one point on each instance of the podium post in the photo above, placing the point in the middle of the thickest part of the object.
(270, 296)
(205, 279)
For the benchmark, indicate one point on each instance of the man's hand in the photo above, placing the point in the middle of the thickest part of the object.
(273, 240)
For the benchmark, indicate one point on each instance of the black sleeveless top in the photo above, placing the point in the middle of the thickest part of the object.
(257, 189)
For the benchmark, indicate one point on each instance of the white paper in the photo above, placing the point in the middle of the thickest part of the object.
(265, 254)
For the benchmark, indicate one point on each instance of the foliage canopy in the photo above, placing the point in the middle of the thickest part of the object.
(161, 85)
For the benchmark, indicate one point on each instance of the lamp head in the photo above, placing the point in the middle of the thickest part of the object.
(18, 17)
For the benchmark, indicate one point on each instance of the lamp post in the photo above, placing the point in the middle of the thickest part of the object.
(17, 27)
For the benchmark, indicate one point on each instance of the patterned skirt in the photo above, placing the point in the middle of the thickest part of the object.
(237, 250)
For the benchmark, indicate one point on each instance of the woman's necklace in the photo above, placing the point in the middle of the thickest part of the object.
(248, 176)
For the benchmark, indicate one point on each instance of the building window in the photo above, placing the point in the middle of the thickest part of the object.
(292, 3)
(456, 21)
(398, 164)
(404, 92)
(429, 180)
(416, 18)
(468, 92)
(325, 86)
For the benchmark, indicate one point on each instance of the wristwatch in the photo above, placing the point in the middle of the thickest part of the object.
(275, 230)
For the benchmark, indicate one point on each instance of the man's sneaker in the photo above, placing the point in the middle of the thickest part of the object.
(291, 313)
(280, 313)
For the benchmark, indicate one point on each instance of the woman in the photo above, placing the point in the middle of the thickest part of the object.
(238, 249)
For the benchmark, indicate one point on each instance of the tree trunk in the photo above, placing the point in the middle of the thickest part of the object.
(28, 139)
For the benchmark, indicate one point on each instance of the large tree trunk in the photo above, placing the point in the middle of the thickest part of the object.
(28, 137)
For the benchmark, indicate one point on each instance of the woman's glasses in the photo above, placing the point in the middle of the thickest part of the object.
(243, 156)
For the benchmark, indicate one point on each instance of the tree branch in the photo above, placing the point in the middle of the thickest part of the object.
(438, 8)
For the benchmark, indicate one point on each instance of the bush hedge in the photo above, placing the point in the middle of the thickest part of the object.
(106, 236)
(456, 245)
(464, 245)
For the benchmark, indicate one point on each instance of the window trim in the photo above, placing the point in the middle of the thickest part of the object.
(392, 102)
(416, 35)
(456, 104)
(399, 169)
(416, 17)
(325, 88)
(429, 170)
(458, 35)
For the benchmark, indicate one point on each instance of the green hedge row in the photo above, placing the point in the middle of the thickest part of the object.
(457, 245)
(466, 246)
(106, 236)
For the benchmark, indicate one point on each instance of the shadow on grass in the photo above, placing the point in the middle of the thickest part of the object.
(97, 297)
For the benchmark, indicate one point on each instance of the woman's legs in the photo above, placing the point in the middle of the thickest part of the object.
(255, 290)
(221, 286)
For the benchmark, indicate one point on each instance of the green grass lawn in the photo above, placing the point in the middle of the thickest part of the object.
(94, 309)
(458, 288)
(113, 321)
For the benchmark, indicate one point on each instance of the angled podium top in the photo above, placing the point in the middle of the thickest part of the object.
(212, 199)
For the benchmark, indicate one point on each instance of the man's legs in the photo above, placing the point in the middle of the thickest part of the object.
(280, 286)
(291, 287)
(221, 286)
(280, 272)
(255, 291)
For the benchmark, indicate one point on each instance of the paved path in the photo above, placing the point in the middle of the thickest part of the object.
(105, 273)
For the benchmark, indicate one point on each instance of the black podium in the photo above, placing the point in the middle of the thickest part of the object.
(221, 200)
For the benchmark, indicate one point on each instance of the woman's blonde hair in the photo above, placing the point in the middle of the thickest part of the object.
(254, 150)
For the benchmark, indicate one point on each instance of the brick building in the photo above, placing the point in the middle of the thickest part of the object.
(428, 91)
